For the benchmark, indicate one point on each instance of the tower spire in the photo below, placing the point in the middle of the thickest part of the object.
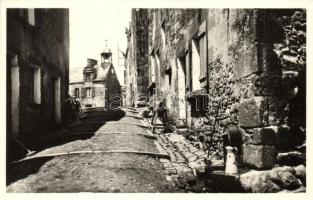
(106, 42)
(106, 54)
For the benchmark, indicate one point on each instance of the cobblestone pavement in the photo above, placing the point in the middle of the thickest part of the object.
(109, 152)
(186, 164)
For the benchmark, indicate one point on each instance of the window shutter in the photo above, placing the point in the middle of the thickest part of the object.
(93, 92)
(203, 57)
(83, 92)
(188, 74)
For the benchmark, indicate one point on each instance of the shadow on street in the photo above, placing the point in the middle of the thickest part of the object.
(83, 130)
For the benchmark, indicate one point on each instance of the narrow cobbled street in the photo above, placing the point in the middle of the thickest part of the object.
(106, 151)
(155, 100)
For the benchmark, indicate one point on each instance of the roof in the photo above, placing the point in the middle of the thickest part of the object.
(107, 50)
(102, 72)
(76, 74)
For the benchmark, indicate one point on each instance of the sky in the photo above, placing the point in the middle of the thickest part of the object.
(90, 26)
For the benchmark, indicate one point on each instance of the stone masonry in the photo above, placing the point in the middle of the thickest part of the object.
(254, 78)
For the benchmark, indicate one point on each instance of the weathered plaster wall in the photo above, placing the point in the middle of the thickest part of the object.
(44, 45)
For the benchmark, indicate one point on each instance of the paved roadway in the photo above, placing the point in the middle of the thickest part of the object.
(106, 151)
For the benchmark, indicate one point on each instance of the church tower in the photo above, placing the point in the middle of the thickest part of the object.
(106, 56)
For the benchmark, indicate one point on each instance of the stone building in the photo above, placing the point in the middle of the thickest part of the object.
(222, 67)
(96, 85)
(37, 71)
(137, 57)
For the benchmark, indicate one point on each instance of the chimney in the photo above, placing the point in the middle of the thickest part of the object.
(91, 62)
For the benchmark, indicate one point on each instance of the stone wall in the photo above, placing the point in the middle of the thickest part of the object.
(179, 26)
(280, 90)
(137, 56)
(256, 62)
(232, 69)
(249, 84)
(140, 20)
(256, 74)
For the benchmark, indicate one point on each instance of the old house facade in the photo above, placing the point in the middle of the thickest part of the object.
(96, 85)
(222, 67)
(37, 71)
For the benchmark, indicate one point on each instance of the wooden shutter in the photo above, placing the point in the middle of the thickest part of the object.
(93, 92)
(203, 57)
(83, 92)
(188, 70)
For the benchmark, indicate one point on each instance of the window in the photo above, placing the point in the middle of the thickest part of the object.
(31, 16)
(37, 85)
(88, 77)
(76, 92)
(88, 92)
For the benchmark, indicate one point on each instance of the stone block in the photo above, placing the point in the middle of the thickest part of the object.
(250, 112)
(292, 158)
(200, 153)
(284, 137)
(187, 154)
(279, 136)
(285, 177)
(192, 158)
(265, 136)
(300, 172)
(258, 182)
(247, 139)
(259, 157)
